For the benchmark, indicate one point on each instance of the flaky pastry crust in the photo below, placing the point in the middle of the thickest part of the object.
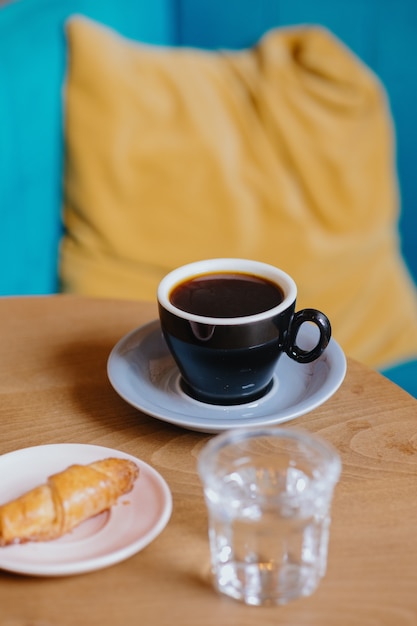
(67, 499)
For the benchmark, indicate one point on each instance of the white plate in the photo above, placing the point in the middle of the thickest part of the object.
(143, 373)
(129, 526)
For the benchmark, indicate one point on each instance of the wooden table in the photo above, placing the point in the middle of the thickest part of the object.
(54, 389)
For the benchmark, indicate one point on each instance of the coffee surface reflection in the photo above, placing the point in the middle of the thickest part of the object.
(226, 294)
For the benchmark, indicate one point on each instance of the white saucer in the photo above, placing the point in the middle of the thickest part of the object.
(108, 538)
(143, 373)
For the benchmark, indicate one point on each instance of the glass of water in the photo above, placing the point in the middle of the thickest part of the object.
(268, 493)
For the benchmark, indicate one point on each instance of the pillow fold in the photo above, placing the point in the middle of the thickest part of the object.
(282, 153)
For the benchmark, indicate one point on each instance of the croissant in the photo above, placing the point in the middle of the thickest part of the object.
(67, 499)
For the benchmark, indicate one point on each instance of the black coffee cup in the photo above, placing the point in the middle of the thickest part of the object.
(226, 323)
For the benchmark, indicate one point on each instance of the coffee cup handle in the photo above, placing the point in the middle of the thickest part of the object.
(323, 324)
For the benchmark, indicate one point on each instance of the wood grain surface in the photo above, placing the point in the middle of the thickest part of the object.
(54, 389)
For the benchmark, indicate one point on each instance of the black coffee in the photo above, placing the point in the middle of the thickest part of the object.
(226, 295)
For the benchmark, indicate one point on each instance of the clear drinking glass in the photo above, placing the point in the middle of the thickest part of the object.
(268, 493)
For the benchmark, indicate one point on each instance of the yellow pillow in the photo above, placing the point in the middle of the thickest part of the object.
(281, 153)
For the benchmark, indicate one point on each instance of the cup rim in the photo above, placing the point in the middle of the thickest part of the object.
(207, 266)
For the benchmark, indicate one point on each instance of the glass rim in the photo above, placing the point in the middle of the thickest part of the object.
(330, 456)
